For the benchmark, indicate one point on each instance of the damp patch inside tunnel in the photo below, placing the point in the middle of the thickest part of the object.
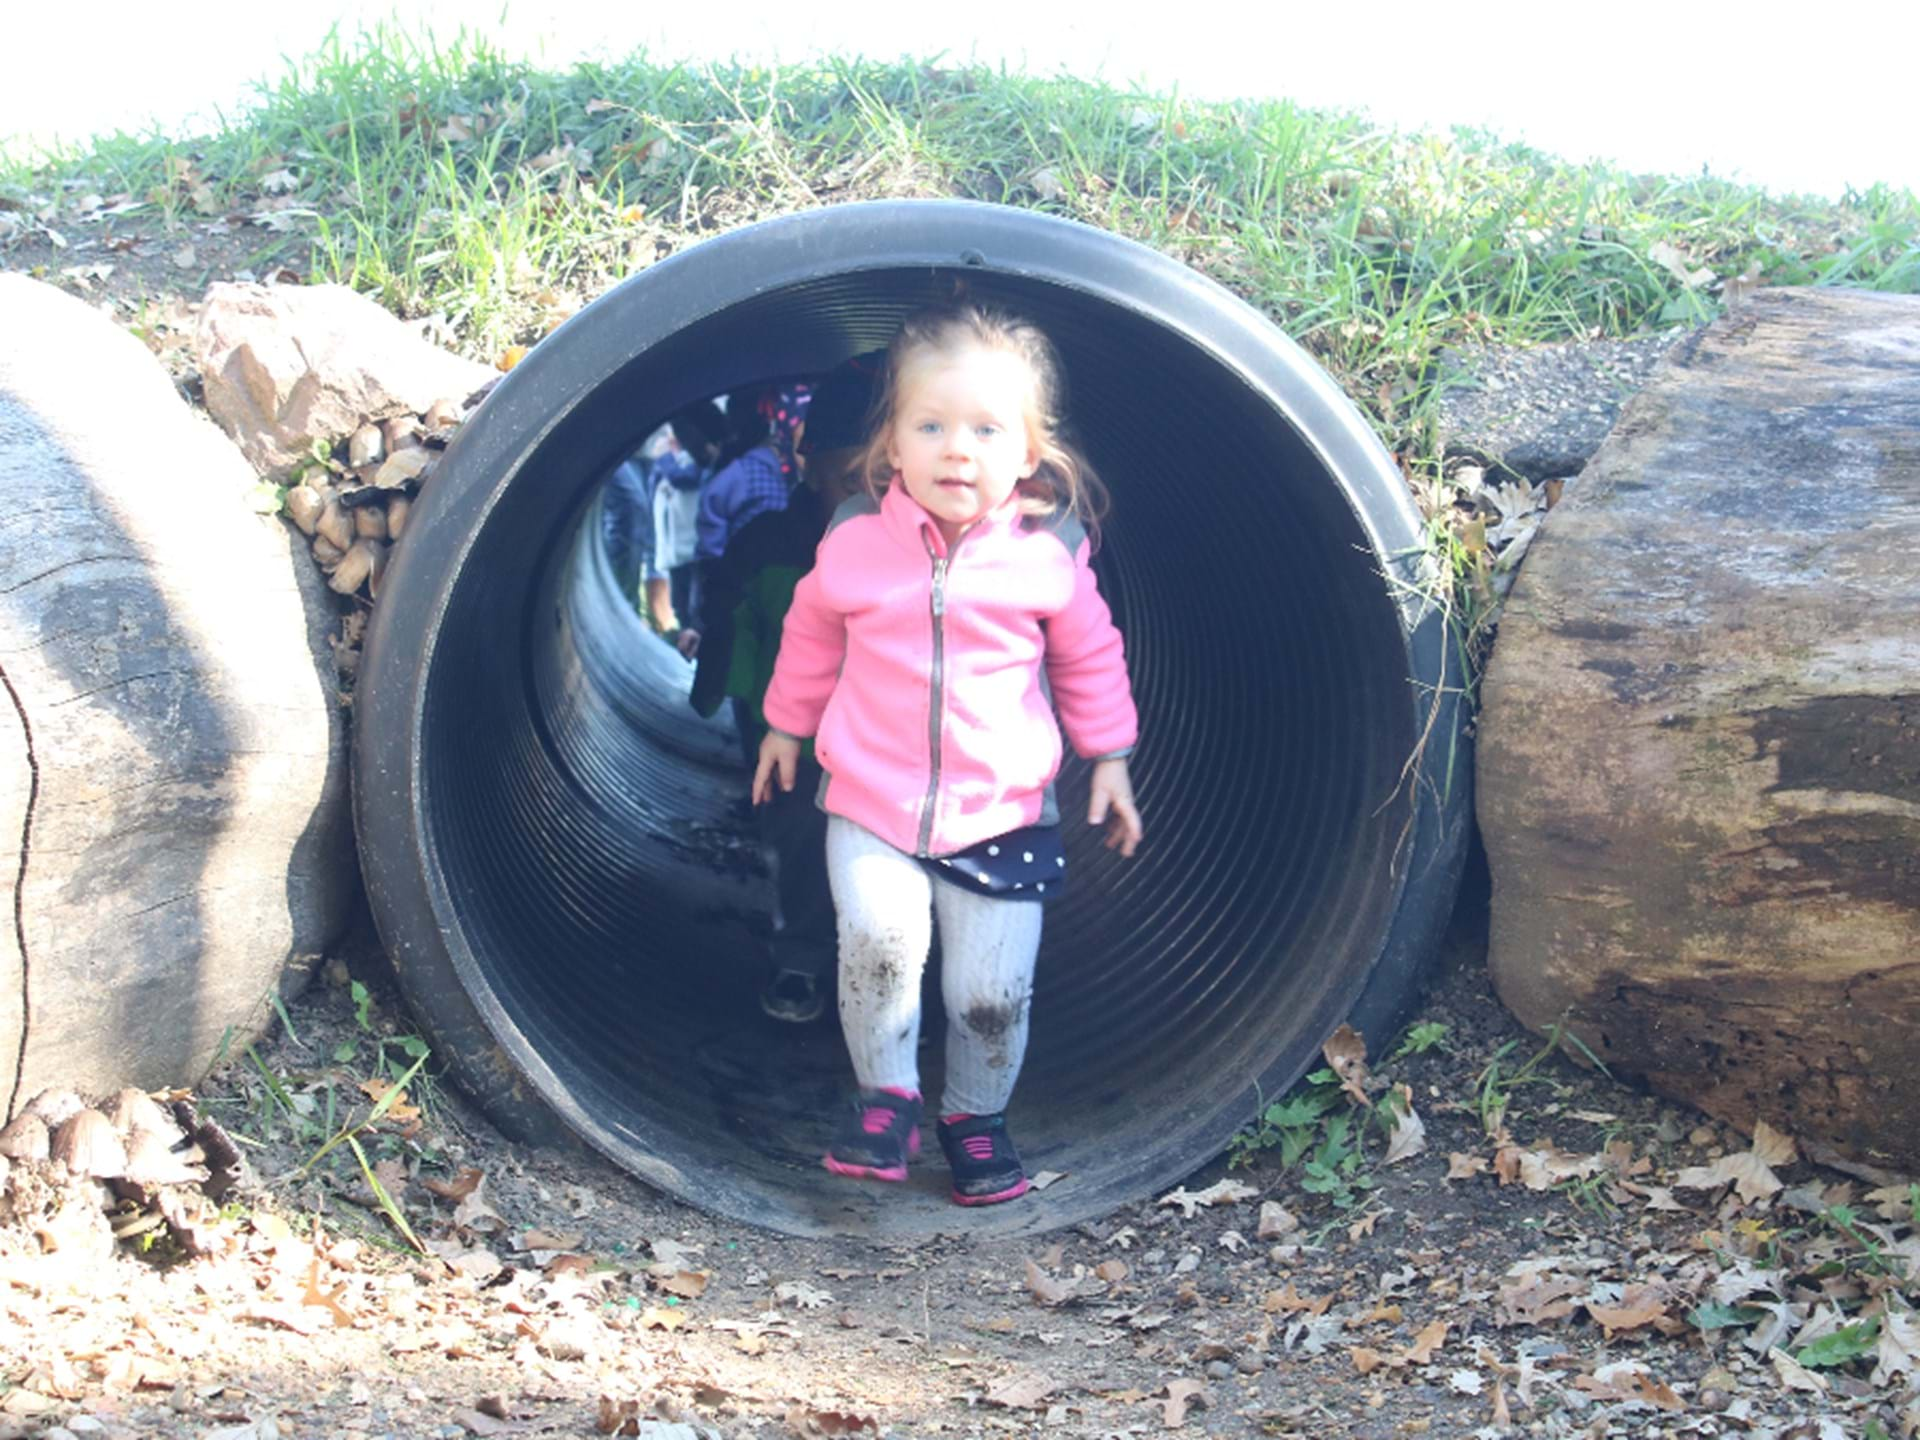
(556, 846)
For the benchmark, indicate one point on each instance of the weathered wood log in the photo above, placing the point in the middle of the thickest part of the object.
(172, 754)
(1700, 747)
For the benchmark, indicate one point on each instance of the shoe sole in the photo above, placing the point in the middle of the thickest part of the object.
(892, 1173)
(1013, 1193)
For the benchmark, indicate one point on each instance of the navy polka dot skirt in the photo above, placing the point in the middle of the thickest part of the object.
(1029, 864)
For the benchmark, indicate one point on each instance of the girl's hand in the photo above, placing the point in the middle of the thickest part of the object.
(1112, 802)
(779, 755)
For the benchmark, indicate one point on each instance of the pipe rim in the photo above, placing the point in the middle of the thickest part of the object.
(399, 845)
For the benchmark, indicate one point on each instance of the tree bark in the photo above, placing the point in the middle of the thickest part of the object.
(1700, 743)
(172, 752)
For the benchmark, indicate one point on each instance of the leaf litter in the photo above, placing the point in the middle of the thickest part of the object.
(1630, 1292)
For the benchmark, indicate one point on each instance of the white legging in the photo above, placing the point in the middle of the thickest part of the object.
(886, 904)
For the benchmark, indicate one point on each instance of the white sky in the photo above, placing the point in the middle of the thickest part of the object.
(1813, 102)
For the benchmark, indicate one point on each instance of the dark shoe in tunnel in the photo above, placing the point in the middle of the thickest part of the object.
(545, 827)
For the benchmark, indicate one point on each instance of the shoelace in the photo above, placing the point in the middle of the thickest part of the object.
(978, 1147)
(875, 1119)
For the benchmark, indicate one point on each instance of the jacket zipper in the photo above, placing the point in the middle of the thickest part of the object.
(937, 688)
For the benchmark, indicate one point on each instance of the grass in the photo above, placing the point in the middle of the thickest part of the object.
(443, 177)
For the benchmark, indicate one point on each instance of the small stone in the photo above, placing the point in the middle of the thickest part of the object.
(366, 446)
(1251, 1363)
(400, 433)
(440, 415)
(58, 1432)
(86, 1425)
(1702, 1135)
(1219, 1370)
(402, 466)
(338, 976)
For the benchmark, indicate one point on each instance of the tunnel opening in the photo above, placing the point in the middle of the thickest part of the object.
(556, 847)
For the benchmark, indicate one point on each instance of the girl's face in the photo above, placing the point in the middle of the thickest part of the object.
(958, 435)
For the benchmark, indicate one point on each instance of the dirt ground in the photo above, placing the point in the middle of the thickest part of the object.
(1548, 1251)
(1546, 1278)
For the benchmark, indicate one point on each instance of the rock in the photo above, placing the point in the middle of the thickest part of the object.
(370, 523)
(441, 415)
(402, 432)
(335, 525)
(1699, 753)
(1540, 411)
(326, 554)
(304, 506)
(54, 1105)
(285, 365)
(402, 466)
(87, 1144)
(365, 446)
(362, 563)
(398, 510)
(188, 830)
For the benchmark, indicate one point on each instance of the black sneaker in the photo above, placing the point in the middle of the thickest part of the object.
(986, 1167)
(794, 996)
(876, 1136)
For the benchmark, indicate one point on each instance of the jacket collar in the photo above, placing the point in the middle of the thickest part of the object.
(909, 523)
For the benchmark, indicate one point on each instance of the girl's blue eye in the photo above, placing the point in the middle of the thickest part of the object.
(987, 432)
(928, 427)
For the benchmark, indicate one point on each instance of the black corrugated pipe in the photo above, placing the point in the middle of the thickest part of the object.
(552, 840)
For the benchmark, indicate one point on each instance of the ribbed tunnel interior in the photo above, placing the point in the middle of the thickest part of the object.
(599, 890)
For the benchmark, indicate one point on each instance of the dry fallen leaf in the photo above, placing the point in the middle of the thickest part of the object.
(1428, 1341)
(1464, 1167)
(1026, 1390)
(660, 1317)
(1111, 1271)
(692, 1284)
(1051, 1292)
(1628, 1380)
(1640, 1305)
(475, 1213)
(1771, 1146)
(1290, 1301)
(1180, 1395)
(1366, 1360)
(325, 1297)
(1409, 1134)
(1899, 1350)
(1536, 1299)
(1346, 1052)
(1221, 1192)
(1047, 1177)
(1746, 1172)
(459, 1188)
(1275, 1220)
(1794, 1375)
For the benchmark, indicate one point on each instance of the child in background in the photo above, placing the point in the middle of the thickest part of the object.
(919, 653)
(698, 431)
(745, 592)
(756, 472)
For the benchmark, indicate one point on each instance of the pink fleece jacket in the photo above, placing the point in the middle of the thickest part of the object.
(918, 671)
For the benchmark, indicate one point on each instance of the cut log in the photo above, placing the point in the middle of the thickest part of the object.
(172, 753)
(1700, 743)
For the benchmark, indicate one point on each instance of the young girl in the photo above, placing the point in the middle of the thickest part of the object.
(947, 608)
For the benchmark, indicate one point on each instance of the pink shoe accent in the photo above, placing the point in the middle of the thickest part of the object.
(1011, 1193)
(863, 1172)
(978, 1147)
(871, 1172)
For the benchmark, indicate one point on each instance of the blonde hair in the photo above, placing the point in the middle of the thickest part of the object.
(1063, 480)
